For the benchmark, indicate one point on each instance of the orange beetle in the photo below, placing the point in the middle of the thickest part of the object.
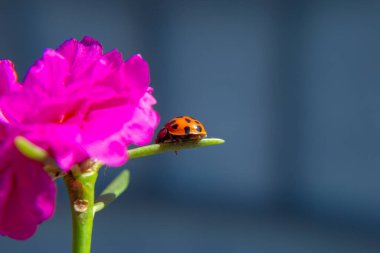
(182, 128)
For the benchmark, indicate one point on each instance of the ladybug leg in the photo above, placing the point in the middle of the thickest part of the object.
(195, 139)
(174, 140)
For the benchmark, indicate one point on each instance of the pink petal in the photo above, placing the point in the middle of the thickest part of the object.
(110, 151)
(108, 64)
(68, 49)
(16, 106)
(8, 77)
(3, 131)
(27, 195)
(47, 76)
(63, 141)
(101, 133)
(135, 77)
(81, 56)
(140, 129)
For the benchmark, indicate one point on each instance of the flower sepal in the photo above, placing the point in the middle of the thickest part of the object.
(30, 150)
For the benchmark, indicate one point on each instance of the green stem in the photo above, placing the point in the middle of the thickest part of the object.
(81, 186)
(156, 149)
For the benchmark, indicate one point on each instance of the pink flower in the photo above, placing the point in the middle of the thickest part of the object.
(76, 103)
(27, 194)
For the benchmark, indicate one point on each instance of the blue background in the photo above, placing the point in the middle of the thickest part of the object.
(293, 88)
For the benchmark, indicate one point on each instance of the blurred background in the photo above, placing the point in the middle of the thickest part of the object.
(292, 86)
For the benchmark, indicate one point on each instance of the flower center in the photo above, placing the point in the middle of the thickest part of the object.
(64, 117)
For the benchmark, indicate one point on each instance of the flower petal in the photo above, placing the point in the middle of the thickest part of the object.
(63, 141)
(47, 76)
(140, 129)
(27, 195)
(81, 56)
(135, 77)
(101, 133)
(8, 77)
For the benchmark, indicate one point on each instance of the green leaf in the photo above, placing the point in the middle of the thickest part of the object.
(112, 191)
(30, 150)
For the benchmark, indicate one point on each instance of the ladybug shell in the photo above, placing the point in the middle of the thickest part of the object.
(181, 128)
(185, 125)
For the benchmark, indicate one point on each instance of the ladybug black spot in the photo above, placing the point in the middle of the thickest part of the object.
(188, 120)
(199, 128)
(172, 122)
(187, 129)
(197, 122)
(175, 126)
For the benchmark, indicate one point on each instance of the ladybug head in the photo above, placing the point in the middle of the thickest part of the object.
(162, 135)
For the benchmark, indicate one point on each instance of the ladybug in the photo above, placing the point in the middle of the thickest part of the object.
(179, 129)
